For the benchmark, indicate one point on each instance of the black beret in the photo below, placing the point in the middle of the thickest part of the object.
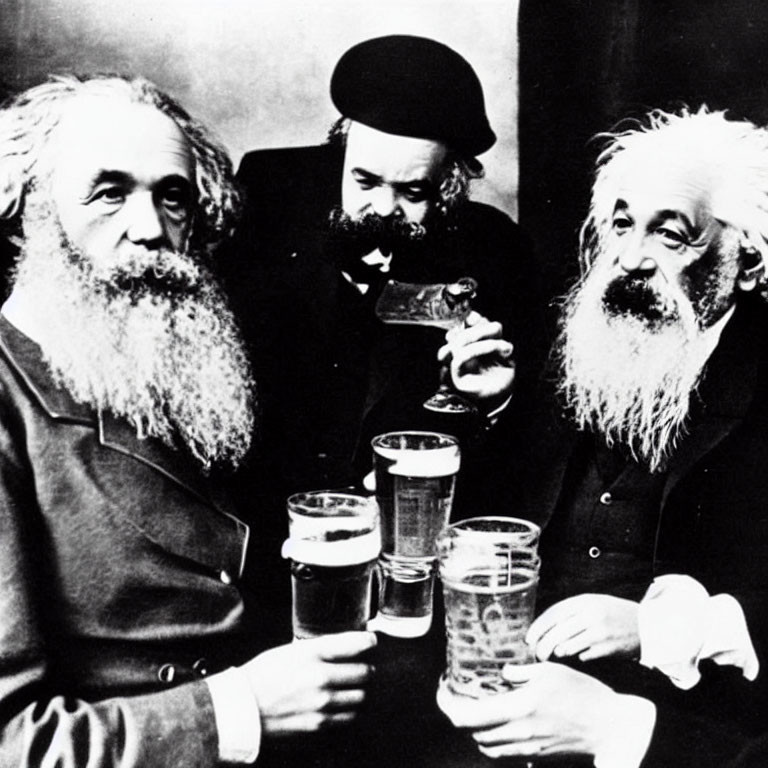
(413, 86)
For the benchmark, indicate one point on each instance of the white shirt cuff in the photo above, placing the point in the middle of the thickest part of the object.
(629, 731)
(680, 625)
(238, 720)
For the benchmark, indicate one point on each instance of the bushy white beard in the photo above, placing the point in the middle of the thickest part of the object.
(169, 361)
(628, 379)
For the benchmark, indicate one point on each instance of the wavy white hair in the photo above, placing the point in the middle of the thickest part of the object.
(29, 119)
(733, 154)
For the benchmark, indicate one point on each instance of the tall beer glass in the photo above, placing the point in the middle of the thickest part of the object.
(489, 568)
(334, 541)
(415, 482)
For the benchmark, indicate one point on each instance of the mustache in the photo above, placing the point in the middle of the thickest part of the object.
(636, 296)
(160, 273)
(371, 226)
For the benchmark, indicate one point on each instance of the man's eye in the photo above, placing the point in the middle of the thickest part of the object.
(415, 195)
(176, 200)
(365, 184)
(671, 237)
(621, 224)
(110, 195)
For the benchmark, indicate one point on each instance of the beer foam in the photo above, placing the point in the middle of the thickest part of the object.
(341, 552)
(435, 462)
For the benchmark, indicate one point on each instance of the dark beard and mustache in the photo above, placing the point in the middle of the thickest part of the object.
(148, 338)
(370, 230)
(352, 237)
(631, 354)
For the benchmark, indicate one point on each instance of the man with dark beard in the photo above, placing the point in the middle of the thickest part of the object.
(124, 386)
(655, 545)
(327, 226)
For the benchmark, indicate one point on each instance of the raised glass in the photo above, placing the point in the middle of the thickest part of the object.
(439, 305)
(333, 544)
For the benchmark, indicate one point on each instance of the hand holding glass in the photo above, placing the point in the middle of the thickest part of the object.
(440, 305)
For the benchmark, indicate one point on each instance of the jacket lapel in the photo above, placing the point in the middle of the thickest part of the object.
(119, 435)
(217, 539)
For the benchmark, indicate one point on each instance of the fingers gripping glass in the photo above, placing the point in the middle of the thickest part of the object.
(439, 305)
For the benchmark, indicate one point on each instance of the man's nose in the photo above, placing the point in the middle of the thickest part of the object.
(384, 201)
(145, 224)
(633, 258)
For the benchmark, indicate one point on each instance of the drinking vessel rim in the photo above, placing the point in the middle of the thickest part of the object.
(533, 530)
(361, 502)
(451, 439)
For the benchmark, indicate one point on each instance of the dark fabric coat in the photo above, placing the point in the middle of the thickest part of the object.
(713, 525)
(330, 376)
(117, 585)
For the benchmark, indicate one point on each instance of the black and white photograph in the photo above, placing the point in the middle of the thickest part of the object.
(383, 384)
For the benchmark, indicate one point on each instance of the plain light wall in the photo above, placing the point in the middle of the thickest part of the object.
(257, 71)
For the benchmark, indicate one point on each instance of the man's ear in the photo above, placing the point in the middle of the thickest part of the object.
(752, 265)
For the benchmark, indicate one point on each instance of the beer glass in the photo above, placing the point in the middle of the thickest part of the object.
(415, 482)
(333, 543)
(489, 568)
(439, 305)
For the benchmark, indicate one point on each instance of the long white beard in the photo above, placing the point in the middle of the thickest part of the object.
(170, 362)
(625, 378)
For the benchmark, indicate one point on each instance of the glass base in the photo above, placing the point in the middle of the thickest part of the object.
(400, 626)
(449, 402)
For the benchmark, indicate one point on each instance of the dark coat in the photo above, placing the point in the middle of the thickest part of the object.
(117, 584)
(330, 376)
(713, 525)
(313, 337)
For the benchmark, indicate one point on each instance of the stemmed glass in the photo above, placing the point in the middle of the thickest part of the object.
(439, 305)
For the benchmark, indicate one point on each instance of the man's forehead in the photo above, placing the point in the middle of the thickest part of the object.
(114, 134)
(376, 151)
(666, 187)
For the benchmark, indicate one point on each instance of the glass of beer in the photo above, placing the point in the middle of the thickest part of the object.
(333, 543)
(415, 482)
(439, 305)
(489, 568)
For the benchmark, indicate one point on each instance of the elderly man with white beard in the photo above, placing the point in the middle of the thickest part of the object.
(651, 480)
(123, 389)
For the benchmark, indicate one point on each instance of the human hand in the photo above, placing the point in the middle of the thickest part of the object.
(588, 626)
(480, 361)
(311, 684)
(552, 710)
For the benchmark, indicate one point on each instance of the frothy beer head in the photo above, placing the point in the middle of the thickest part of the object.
(419, 454)
(332, 529)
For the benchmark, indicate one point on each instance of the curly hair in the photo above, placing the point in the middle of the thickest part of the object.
(731, 154)
(28, 120)
(458, 171)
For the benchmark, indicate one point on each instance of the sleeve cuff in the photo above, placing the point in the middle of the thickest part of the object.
(681, 625)
(728, 640)
(630, 729)
(238, 720)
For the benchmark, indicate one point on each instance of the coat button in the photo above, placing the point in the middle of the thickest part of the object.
(225, 578)
(201, 667)
(606, 498)
(166, 673)
(594, 552)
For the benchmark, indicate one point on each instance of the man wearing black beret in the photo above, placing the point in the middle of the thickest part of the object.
(326, 226)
